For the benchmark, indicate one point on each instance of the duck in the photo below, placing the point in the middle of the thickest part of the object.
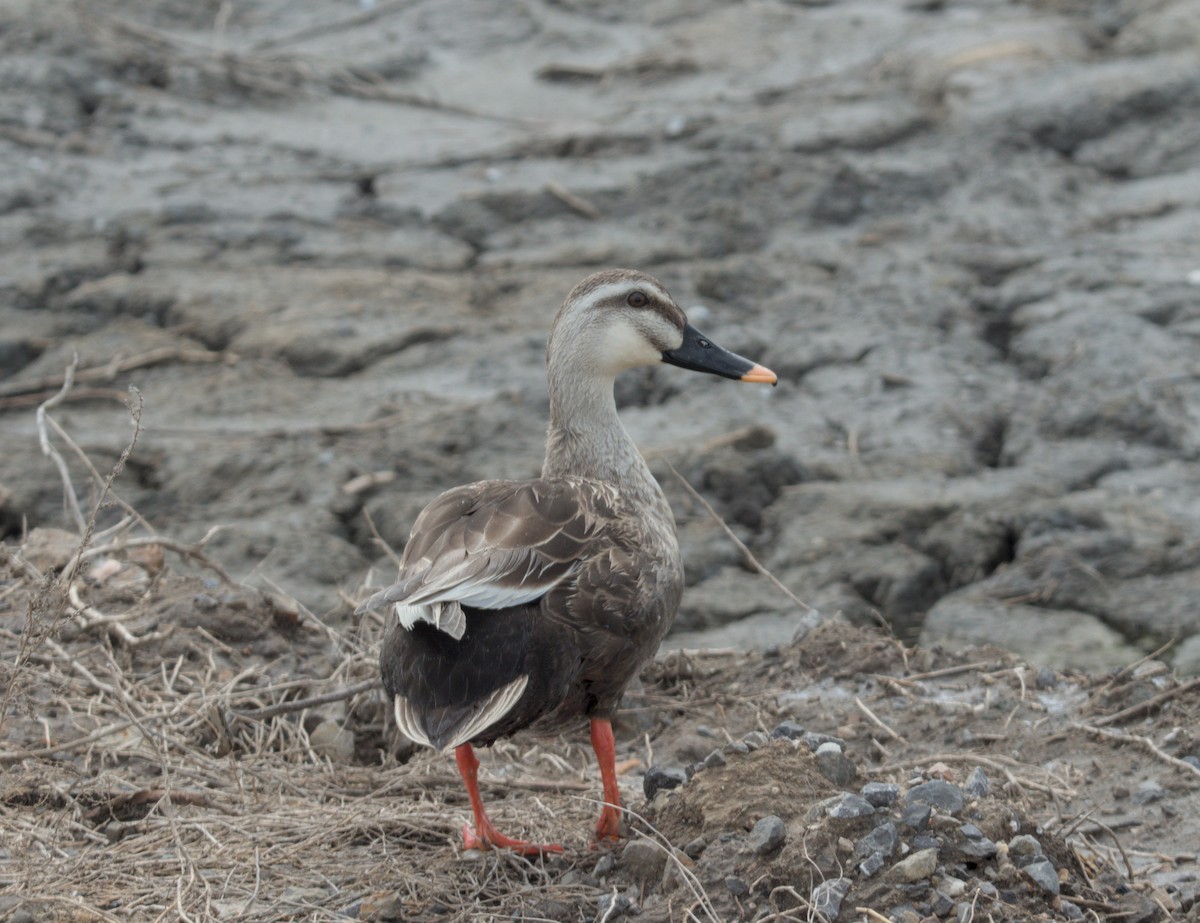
(531, 604)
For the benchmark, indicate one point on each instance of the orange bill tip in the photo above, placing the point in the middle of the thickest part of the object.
(760, 374)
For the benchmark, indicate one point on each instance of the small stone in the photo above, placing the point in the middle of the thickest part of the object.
(736, 886)
(1042, 873)
(1149, 792)
(849, 805)
(705, 731)
(657, 779)
(614, 906)
(1069, 910)
(941, 905)
(918, 866)
(381, 907)
(977, 785)
(976, 848)
(1192, 760)
(694, 849)
(115, 831)
(904, 913)
(643, 860)
(815, 740)
(916, 816)
(951, 886)
(827, 897)
(331, 740)
(834, 765)
(881, 794)
(787, 730)
(964, 912)
(925, 841)
(872, 864)
(1046, 678)
(988, 890)
(714, 760)
(605, 866)
(883, 839)
(22, 916)
(942, 795)
(1024, 847)
(971, 832)
(736, 746)
(756, 739)
(768, 835)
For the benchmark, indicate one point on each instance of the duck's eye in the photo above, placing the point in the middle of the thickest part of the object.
(637, 299)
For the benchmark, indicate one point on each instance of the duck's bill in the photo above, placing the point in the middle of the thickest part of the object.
(700, 354)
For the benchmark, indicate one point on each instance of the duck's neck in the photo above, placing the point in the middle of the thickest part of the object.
(587, 439)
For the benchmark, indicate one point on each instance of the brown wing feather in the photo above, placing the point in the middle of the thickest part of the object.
(499, 543)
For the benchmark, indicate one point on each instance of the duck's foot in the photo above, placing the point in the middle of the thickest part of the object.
(608, 827)
(485, 836)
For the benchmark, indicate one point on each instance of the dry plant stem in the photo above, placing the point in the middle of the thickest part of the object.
(747, 554)
(111, 370)
(53, 454)
(284, 708)
(1145, 743)
(877, 721)
(1149, 705)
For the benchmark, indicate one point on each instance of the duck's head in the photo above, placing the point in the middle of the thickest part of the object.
(620, 319)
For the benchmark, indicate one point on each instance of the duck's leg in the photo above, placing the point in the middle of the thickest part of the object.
(608, 826)
(485, 836)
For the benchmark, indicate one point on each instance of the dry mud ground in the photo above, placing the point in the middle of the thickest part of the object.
(324, 241)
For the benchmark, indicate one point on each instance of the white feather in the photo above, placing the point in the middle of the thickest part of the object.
(406, 720)
(497, 705)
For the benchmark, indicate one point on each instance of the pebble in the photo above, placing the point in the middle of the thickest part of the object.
(22, 916)
(941, 905)
(977, 785)
(1046, 678)
(849, 805)
(657, 779)
(714, 760)
(768, 835)
(1024, 847)
(916, 816)
(787, 730)
(904, 913)
(737, 746)
(1070, 911)
(881, 794)
(916, 867)
(643, 860)
(834, 765)
(954, 887)
(332, 740)
(872, 864)
(756, 739)
(736, 886)
(964, 912)
(883, 839)
(826, 899)
(1042, 873)
(815, 740)
(1192, 760)
(613, 906)
(943, 795)
(695, 848)
(605, 866)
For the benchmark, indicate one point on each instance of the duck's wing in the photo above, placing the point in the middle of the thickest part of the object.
(496, 544)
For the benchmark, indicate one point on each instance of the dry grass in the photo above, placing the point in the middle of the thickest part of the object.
(158, 771)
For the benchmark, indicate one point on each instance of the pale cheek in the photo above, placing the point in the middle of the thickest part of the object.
(624, 348)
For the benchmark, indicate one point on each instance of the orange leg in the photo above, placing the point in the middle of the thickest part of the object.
(485, 836)
(608, 826)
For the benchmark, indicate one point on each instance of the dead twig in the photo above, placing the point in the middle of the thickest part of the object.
(283, 708)
(1144, 742)
(1149, 705)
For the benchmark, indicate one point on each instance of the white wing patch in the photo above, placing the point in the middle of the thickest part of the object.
(444, 616)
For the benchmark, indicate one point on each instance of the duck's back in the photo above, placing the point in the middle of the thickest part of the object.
(525, 602)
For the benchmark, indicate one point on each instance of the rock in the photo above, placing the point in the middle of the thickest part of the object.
(827, 897)
(881, 794)
(1187, 657)
(1148, 792)
(1024, 848)
(883, 839)
(714, 760)
(834, 765)
(849, 805)
(916, 816)
(382, 907)
(936, 793)
(615, 906)
(605, 866)
(788, 730)
(1042, 873)
(872, 864)
(768, 835)
(694, 849)
(331, 740)
(941, 905)
(977, 785)
(916, 867)
(644, 860)
(657, 779)
(736, 886)
(951, 886)
(1069, 910)
(755, 740)
(815, 740)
